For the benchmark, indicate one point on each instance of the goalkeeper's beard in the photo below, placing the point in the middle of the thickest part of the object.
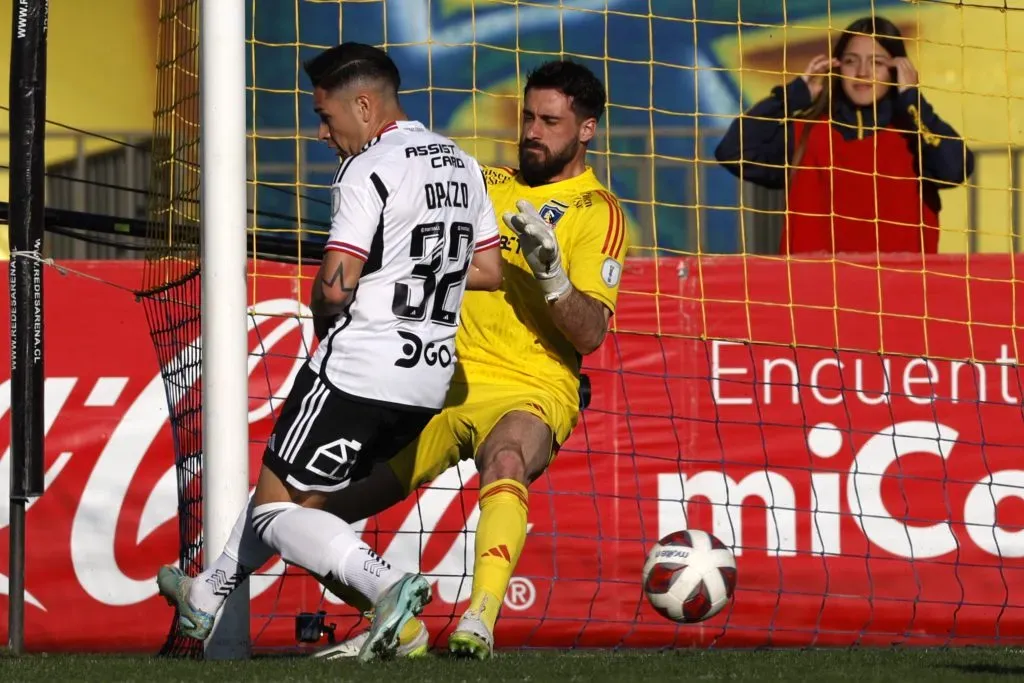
(538, 169)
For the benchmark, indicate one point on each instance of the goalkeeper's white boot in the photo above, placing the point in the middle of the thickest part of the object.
(399, 603)
(471, 638)
(416, 645)
(175, 587)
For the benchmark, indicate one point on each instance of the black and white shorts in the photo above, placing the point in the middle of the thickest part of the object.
(324, 439)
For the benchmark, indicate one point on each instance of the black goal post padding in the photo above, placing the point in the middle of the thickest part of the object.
(26, 123)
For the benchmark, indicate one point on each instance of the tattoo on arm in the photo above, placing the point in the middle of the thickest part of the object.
(320, 299)
(338, 276)
(582, 319)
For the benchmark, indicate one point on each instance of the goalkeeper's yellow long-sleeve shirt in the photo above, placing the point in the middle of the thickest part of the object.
(508, 337)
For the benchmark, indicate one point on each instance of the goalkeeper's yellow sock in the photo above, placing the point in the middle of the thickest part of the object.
(356, 599)
(500, 537)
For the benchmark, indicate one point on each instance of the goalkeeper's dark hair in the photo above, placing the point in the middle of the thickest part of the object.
(347, 63)
(584, 90)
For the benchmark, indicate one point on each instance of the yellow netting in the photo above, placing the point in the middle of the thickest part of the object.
(674, 85)
(933, 339)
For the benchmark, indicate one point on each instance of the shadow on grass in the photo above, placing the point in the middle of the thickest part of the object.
(991, 669)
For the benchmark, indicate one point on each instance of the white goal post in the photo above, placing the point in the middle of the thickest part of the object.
(223, 221)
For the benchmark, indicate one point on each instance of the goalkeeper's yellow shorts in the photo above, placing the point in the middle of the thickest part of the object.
(469, 415)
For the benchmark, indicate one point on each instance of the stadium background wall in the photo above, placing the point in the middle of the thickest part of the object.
(785, 453)
(102, 80)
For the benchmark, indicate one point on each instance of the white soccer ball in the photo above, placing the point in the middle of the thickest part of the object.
(689, 576)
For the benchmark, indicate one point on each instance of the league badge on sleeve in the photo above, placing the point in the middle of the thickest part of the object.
(611, 271)
(335, 200)
(553, 211)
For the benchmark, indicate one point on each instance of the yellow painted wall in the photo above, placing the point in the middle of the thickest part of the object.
(971, 66)
(101, 74)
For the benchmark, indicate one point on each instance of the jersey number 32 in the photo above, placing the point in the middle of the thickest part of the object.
(443, 254)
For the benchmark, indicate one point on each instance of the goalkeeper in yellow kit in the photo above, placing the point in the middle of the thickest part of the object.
(514, 397)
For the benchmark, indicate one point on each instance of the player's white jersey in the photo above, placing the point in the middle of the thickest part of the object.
(415, 208)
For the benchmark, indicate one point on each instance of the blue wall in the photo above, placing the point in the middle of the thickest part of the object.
(694, 96)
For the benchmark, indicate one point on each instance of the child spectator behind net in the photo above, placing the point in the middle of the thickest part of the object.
(862, 152)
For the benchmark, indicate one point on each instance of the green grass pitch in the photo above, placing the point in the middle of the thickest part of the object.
(816, 666)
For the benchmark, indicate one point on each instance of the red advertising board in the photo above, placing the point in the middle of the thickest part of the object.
(852, 430)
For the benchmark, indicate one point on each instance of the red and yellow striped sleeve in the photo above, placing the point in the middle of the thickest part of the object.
(615, 236)
(598, 248)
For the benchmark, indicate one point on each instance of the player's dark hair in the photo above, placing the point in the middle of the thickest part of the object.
(584, 90)
(347, 63)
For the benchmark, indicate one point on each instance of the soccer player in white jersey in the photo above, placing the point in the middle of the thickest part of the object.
(411, 228)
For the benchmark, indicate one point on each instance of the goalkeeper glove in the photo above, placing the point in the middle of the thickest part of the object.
(540, 248)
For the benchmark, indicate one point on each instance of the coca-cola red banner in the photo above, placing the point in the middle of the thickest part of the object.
(852, 430)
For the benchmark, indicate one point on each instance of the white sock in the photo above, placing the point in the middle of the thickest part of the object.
(324, 544)
(243, 554)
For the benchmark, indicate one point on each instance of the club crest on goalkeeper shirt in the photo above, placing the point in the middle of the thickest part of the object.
(553, 211)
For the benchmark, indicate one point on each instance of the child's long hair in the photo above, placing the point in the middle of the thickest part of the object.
(886, 34)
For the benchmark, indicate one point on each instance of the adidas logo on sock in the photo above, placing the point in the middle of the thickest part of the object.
(499, 551)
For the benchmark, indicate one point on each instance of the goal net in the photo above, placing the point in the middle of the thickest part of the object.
(849, 425)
